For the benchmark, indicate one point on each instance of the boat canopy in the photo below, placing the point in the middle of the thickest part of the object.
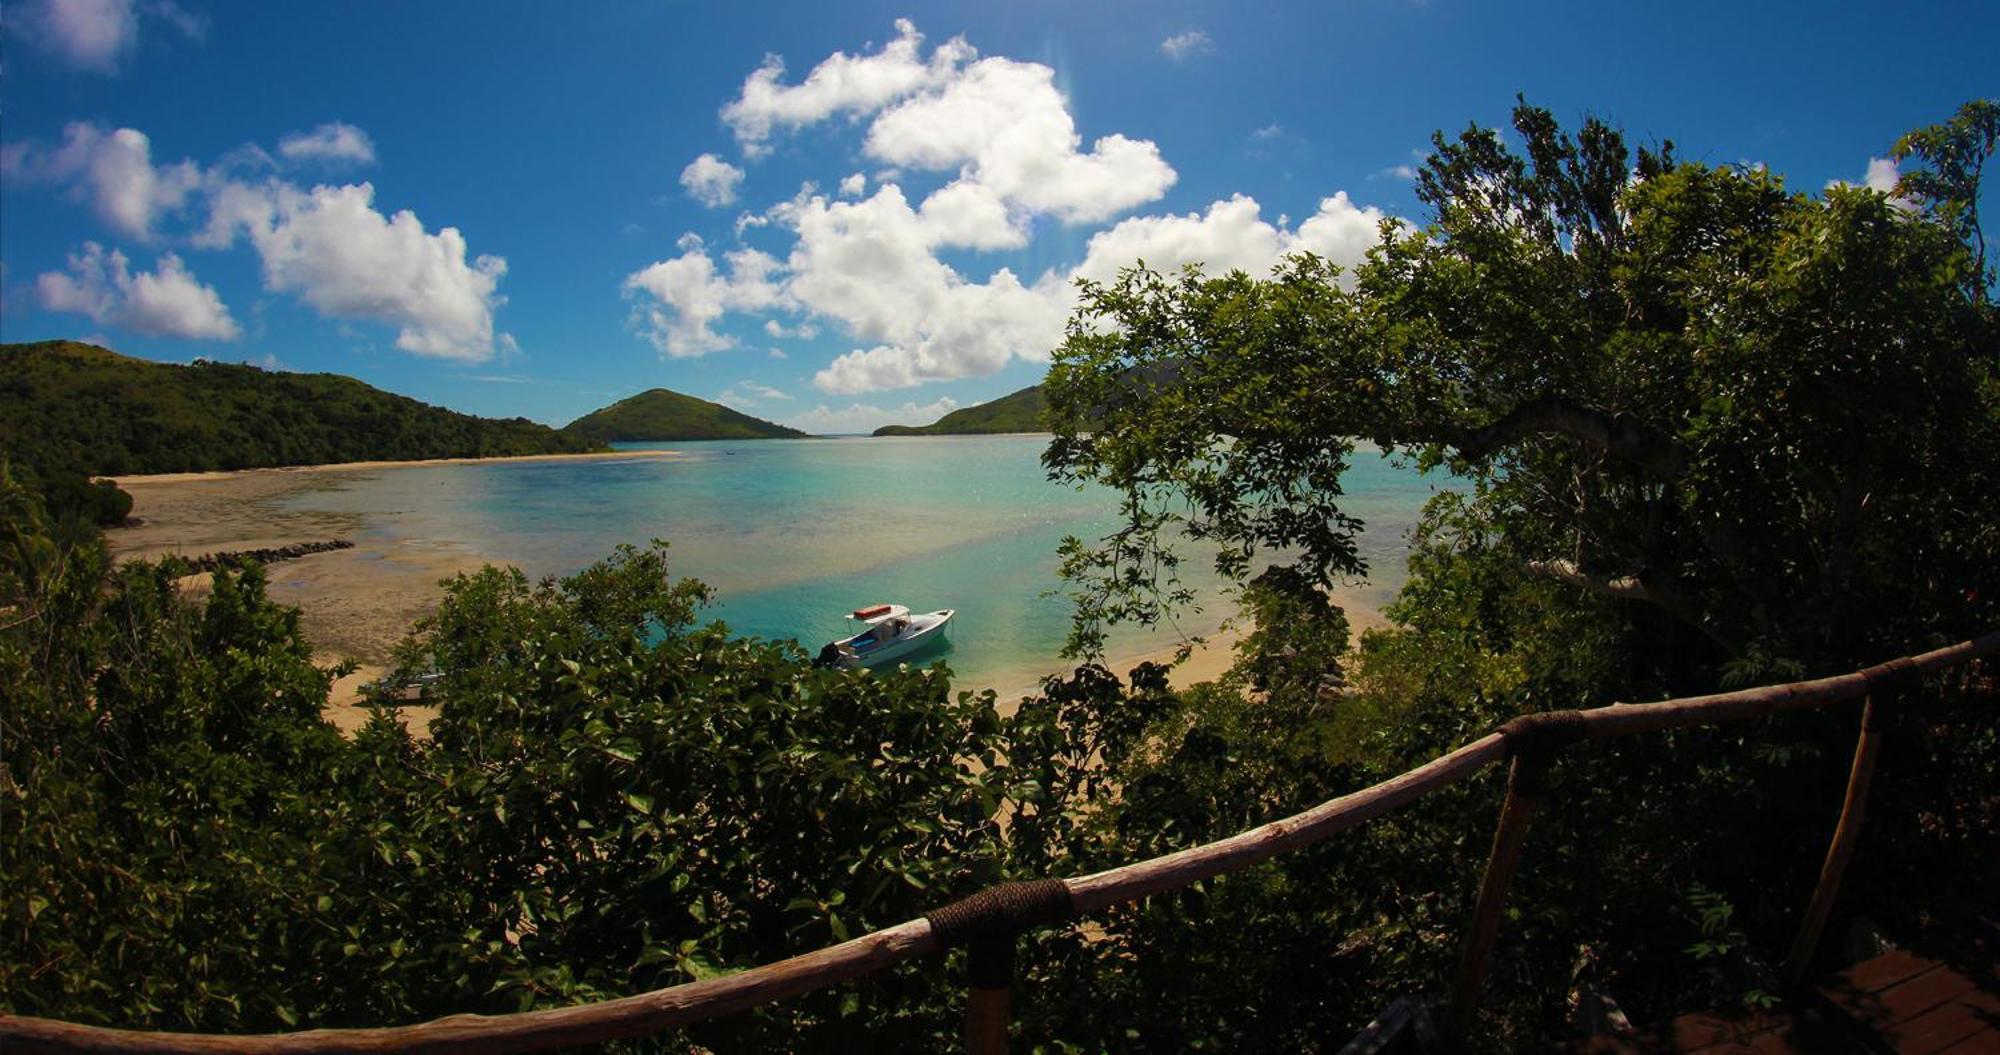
(876, 613)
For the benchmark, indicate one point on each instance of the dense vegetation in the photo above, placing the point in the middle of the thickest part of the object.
(83, 409)
(1015, 412)
(658, 415)
(71, 493)
(1719, 433)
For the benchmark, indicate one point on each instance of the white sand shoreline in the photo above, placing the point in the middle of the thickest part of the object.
(147, 479)
(1211, 658)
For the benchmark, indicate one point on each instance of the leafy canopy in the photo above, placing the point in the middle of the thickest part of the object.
(1770, 418)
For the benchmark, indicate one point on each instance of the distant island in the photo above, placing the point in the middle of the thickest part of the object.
(1017, 412)
(659, 414)
(66, 406)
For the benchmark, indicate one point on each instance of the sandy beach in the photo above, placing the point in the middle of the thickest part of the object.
(356, 604)
(349, 467)
(1213, 657)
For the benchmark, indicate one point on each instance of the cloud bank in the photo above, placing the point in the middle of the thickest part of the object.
(888, 271)
(329, 245)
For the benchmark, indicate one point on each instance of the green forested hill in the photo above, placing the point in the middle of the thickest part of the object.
(71, 406)
(1018, 412)
(660, 414)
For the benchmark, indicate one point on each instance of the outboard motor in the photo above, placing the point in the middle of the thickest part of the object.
(829, 657)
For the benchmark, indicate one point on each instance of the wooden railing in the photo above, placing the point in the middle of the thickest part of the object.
(988, 923)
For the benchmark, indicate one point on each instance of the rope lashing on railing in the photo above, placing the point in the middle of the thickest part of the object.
(988, 922)
(1002, 911)
(1544, 733)
(1533, 740)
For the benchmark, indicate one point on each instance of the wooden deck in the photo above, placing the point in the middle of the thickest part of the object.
(1915, 1005)
(1899, 1002)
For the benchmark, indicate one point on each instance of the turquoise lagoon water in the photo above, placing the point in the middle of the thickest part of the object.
(794, 533)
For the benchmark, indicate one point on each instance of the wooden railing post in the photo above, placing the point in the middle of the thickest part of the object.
(1874, 714)
(989, 973)
(1533, 741)
(987, 924)
(1525, 788)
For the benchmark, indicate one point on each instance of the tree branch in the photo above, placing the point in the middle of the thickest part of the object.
(1665, 596)
(1618, 434)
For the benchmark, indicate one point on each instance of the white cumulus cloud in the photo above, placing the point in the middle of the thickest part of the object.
(1232, 235)
(688, 293)
(165, 302)
(332, 248)
(973, 215)
(89, 34)
(334, 142)
(1881, 176)
(858, 417)
(997, 122)
(745, 394)
(843, 83)
(112, 172)
(873, 267)
(96, 35)
(711, 180)
(1003, 124)
(1186, 45)
(804, 331)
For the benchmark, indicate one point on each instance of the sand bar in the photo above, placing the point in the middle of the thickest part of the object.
(144, 479)
(356, 603)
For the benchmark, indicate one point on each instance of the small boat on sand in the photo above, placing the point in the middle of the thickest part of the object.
(891, 634)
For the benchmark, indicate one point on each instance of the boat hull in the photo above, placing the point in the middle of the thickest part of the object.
(925, 630)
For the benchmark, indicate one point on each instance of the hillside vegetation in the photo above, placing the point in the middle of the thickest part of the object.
(660, 414)
(1016, 412)
(68, 406)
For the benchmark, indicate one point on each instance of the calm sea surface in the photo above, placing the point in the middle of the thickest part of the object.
(793, 533)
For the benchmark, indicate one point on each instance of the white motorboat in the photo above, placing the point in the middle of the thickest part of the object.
(892, 633)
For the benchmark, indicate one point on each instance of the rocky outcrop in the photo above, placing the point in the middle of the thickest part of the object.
(238, 558)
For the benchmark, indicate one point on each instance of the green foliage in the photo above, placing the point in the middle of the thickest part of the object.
(98, 502)
(658, 415)
(1015, 412)
(1764, 417)
(78, 408)
(1953, 155)
(615, 799)
(1716, 433)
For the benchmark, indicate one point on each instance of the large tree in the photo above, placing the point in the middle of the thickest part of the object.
(1768, 418)
(1705, 429)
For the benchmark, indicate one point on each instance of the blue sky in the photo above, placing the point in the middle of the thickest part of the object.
(534, 209)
